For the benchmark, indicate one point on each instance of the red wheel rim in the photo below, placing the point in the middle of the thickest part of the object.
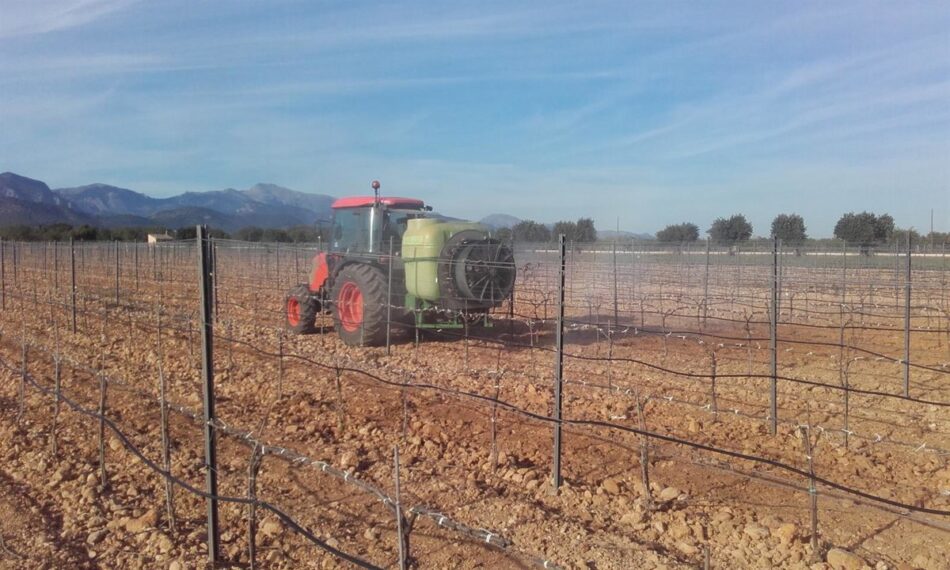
(293, 311)
(350, 306)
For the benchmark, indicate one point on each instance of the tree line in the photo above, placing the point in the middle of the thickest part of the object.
(863, 229)
(581, 231)
(85, 232)
(65, 232)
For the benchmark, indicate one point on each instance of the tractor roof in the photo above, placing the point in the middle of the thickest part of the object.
(392, 201)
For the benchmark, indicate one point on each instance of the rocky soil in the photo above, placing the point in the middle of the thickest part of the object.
(482, 465)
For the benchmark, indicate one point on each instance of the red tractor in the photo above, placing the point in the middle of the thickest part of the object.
(392, 263)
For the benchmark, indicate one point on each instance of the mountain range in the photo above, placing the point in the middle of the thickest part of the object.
(32, 202)
(498, 221)
(25, 201)
(622, 235)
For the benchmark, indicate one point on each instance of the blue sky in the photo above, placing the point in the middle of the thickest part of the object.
(653, 112)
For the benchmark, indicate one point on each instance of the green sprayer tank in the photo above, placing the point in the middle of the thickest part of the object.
(421, 247)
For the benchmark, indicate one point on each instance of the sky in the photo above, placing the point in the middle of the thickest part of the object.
(649, 113)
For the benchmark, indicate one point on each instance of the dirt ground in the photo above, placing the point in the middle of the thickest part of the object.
(478, 463)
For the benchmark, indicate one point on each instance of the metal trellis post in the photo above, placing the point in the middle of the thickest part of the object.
(844, 271)
(207, 375)
(907, 287)
(214, 276)
(706, 286)
(616, 310)
(403, 536)
(773, 343)
(72, 277)
(116, 249)
(3, 280)
(812, 487)
(558, 368)
(389, 297)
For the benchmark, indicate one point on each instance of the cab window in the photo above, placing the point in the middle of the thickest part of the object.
(351, 230)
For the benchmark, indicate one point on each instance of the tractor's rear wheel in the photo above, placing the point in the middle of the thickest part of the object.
(300, 310)
(359, 305)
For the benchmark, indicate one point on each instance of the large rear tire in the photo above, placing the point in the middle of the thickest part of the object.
(359, 305)
(300, 310)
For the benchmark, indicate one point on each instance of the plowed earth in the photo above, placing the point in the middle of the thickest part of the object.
(481, 464)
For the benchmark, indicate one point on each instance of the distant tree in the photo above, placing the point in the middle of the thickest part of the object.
(864, 229)
(678, 233)
(790, 228)
(503, 234)
(938, 238)
(191, 232)
(63, 232)
(55, 232)
(884, 227)
(303, 234)
(278, 235)
(584, 231)
(250, 233)
(187, 232)
(18, 233)
(899, 236)
(129, 234)
(567, 228)
(85, 232)
(730, 230)
(530, 231)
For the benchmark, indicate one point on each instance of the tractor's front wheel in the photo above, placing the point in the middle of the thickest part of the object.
(300, 310)
(359, 305)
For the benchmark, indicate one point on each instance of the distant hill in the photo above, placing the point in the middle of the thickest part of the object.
(227, 201)
(278, 195)
(264, 205)
(28, 201)
(102, 199)
(498, 221)
(26, 189)
(623, 235)
(25, 201)
(125, 221)
(193, 216)
(15, 212)
(240, 209)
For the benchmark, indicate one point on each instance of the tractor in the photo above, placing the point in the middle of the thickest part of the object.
(391, 262)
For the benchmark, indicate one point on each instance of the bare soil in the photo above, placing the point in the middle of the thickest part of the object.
(55, 513)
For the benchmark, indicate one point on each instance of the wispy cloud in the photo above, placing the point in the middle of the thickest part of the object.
(44, 16)
(658, 112)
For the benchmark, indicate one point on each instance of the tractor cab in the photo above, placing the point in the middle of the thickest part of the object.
(366, 224)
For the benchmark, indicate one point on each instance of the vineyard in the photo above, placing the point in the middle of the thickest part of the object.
(634, 406)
